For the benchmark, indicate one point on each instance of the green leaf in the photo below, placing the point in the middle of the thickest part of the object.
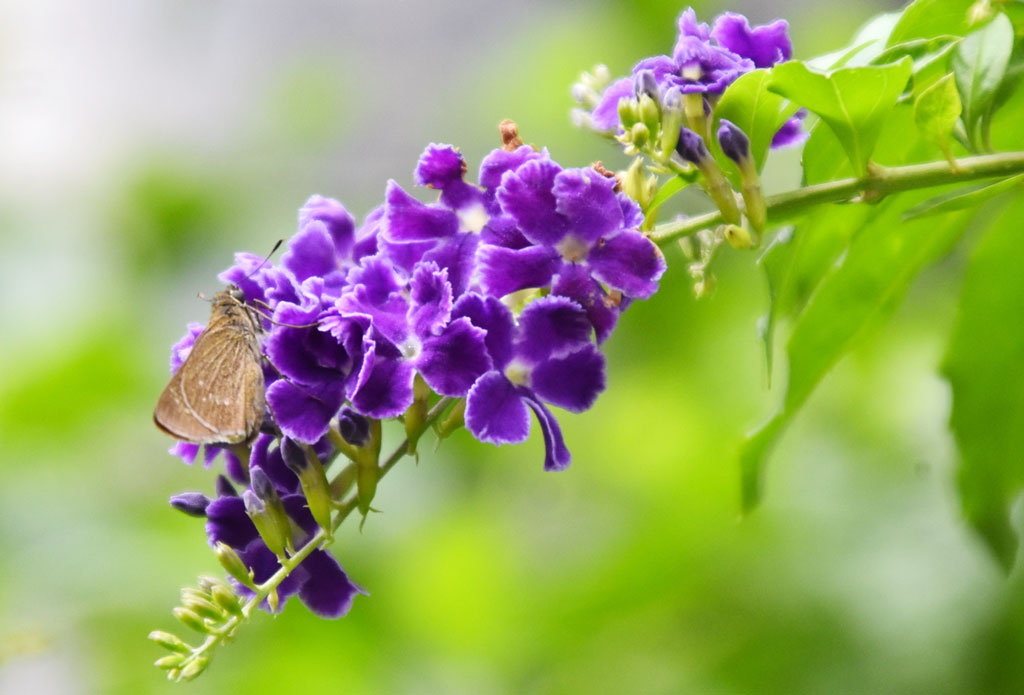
(936, 112)
(925, 19)
(667, 190)
(979, 65)
(854, 102)
(962, 198)
(878, 267)
(798, 258)
(983, 365)
(756, 111)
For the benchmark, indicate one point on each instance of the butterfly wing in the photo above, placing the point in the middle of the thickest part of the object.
(217, 394)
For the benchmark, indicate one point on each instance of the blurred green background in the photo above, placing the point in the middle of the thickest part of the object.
(142, 143)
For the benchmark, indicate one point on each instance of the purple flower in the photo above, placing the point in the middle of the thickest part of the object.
(413, 330)
(547, 357)
(704, 61)
(582, 233)
(319, 580)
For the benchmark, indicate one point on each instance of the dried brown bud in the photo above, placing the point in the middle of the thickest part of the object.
(510, 139)
(599, 168)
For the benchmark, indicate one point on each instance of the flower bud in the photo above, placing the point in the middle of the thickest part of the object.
(202, 606)
(628, 112)
(170, 661)
(227, 599)
(224, 488)
(190, 619)
(738, 237)
(645, 84)
(261, 485)
(691, 147)
(639, 135)
(304, 464)
(735, 143)
(354, 428)
(454, 420)
(191, 503)
(169, 641)
(233, 564)
(650, 114)
(194, 667)
(264, 521)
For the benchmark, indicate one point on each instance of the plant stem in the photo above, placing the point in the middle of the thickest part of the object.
(320, 539)
(881, 181)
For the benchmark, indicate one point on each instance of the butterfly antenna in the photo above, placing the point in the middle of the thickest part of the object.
(265, 260)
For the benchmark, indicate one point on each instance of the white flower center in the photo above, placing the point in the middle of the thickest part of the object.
(473, 219)
(573, 249)
(518, 373)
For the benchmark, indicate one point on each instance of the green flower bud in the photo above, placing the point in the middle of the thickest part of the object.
(649, 112)
(169, 641)
(629, 112)
(738, 237)
(303, 462)
(273, 600)
(233, 564)
(170, 661)
(190, 619)
(227, 599)
(194, 667)
(639, 135)
(204, 607)
(454, 420)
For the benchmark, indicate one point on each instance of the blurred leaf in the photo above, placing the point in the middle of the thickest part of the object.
(854, 102)
(756, 111)
(882, 260)
(979, 65)
(667, 190)
(925, 19)
(865, 46)
(797, 259)
(936, 112)
(963, 198)
(983, 365)
(823, 158)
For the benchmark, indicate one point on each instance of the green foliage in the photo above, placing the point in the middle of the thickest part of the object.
(980, 64)
(936, 111)
(926, 19)
(881, 261)
(983, 366)
(756, 111)
(854, 102)
(963, 198)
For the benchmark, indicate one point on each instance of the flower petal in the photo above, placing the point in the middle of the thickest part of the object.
(587, 201)
(503, 271)
(556, 455)
(572, 382)
(526, 194)
(494, 317)
(304, 413)
(327, 590)
(407, 219)
(387, 391)
(495, 411)
(628, 262)
(452, 361)
(551, 326)
(766, 45)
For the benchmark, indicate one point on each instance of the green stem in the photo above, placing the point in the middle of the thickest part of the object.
(320, 539)
(881, 181)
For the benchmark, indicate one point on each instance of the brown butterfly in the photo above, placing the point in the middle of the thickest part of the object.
(216, 396)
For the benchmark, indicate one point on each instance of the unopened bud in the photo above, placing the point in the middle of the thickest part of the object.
(265, 522)
(261, 485)
(639, 135)
(454, 420)
(194, 667)
(233, 564)
(353, 427)
(170, 661)
(227, 599)
(191, 503)
(190, 619)
(273, 600)
(169, 641)
(735, 143)
(644, 83)
(691, 147)
(203, 607)
(224, 488)
(650, 114)
(303, 463)
(629, 112)
(737, 236)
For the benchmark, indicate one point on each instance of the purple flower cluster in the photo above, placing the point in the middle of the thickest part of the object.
(705, 61)
(498, 293)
